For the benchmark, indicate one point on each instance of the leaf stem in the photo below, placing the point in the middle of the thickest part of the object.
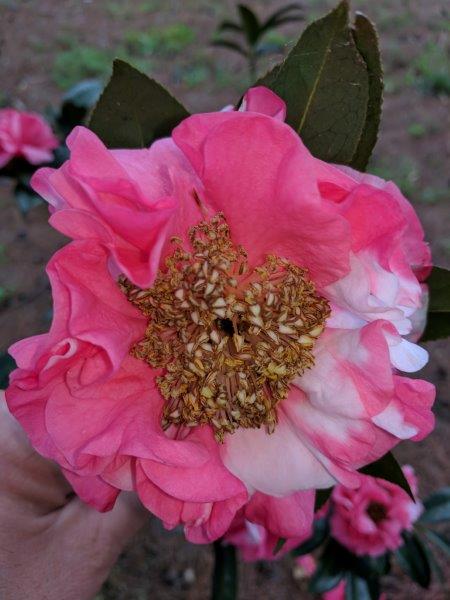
(225, 572)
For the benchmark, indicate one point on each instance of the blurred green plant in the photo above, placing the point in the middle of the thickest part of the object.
(417, 130)
(5, 296)
(431, 70)
(433, 195)
(168, 40)
(252, 33)
(80, 62)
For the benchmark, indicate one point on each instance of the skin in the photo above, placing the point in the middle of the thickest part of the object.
(52, 545)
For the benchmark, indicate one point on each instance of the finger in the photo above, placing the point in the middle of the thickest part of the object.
(28, 480)
(116, 526)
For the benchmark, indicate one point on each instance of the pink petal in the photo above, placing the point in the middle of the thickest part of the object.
(126, 200)
(120, 416)
(204, 522)
(93, 491)
(208, 482)
(287, 517)
(279, 464)
(262, 100)
(409, 415)
(266, 189)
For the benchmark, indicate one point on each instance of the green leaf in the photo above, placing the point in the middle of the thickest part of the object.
(134, 110)
(230, 45)
(7, 364)
(435, 566)
(76, 104)
(381, 565)
(229, 26)
(359, 588)
(84, 94)
(280, 543)
(438, 324)
(388, 468)
(225, 572)
(438, 327)
(442, 542)
(325, 85)
(437, 507)
(319, 535)
(366, 39)
(329, 571)
(283, 15)
(413, 559)
(250, 24)
(26, 198)
(322, 497)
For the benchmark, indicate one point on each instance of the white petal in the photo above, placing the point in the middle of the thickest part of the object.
(278, 464)
(406, 356)
(392, 421)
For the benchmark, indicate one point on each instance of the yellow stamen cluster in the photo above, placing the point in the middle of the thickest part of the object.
(231, 339)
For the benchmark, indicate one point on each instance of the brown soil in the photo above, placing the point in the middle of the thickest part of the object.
(160, 564)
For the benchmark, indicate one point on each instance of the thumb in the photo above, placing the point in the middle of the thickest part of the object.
(113, 528)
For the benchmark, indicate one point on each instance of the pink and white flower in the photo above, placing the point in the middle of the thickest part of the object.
(26, 135)
(370, 520)
(299, 399)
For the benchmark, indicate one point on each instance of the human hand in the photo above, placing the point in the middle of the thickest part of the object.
(52, 545)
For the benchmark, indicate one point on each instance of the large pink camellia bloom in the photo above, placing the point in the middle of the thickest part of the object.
(231, 322)
(370, 519)
(26, 135)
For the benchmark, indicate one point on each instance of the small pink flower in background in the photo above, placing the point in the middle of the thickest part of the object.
(370, 520)
(306, 274)
(304, 566)
(25, 135)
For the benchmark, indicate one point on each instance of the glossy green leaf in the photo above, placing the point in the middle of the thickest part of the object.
(413, 559)
(366, 39)
(388, 468)
(280, 543)
(325, 84)
(134, 110)
(229, 26)
(84, 94)
(329, 571)
(319, 535)
(230, 46)
(322, 497)
(286, 14)
(438, 324)
(436, 568)
(359, 588)
(76, 104)
(225, 572)
(441, 541)
(7, 364)
(437, 507)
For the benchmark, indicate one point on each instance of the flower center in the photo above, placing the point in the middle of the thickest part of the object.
(229, 338)
(377, 512)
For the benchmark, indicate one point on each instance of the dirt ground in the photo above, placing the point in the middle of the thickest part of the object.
(413, 150)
